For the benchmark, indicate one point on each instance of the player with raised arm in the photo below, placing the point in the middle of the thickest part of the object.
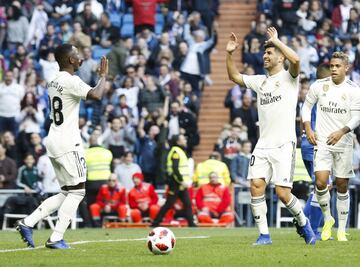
(274, 155)
(338, 113)
(64, 145)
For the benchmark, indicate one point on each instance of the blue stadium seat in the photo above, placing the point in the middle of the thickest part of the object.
(159, 18)
(98, 52)
(158, 29)
(127, 30)
(127, 19)
(115, 19)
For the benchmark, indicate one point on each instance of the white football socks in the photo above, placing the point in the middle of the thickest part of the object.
(259, 210)
(66, 213)
(296, 210)
(342, 206)
(323, 197)
(48, 206)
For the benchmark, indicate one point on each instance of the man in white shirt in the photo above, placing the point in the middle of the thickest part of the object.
(338, 113)
(11, 94)
(64, 145)
(274, 154)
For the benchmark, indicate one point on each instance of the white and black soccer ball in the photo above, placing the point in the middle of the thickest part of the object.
(161, 241)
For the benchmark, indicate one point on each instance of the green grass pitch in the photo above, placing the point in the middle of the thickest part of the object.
(218, 247)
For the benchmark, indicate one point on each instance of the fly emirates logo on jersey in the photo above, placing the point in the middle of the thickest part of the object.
(332, 107)
(268, 98)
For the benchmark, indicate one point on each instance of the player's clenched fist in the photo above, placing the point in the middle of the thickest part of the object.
(232, 44)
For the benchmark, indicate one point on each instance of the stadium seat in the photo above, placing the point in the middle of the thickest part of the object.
(115, 19)
(98, 52)
(244, 199)
(279, 217)
(128, 19)
(127, 30)
(158, 29)
(159, 18)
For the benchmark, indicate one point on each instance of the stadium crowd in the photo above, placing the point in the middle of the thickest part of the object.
(159, 59)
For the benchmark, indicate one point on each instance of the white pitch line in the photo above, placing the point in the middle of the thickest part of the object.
(100, 241)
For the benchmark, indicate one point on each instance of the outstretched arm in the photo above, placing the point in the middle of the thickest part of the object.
(294, 68)
(97, 92)
(233, 72)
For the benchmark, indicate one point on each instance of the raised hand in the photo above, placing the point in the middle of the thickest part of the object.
(232, 44)
(272, 34)
(104, 66)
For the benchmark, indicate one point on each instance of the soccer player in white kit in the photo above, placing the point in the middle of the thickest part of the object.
(64, 145)
(338, 107)
(274, 155)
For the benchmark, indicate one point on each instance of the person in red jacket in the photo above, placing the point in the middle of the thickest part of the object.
(110, 198)
(142, 199)
(213, 201)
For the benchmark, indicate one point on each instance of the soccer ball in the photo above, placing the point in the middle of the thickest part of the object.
(161, 241)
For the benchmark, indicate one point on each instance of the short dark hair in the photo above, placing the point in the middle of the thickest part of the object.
(323, 71)
(271, 45)
(174, 139)
(62, 54)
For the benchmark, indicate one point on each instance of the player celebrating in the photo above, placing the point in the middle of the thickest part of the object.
(64, 145)
(274, 154)
(338, 106)
(312, 209)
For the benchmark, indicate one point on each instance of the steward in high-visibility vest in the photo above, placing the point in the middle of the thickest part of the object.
(213, 201)
(178, 180)
(213, 164)
(98, 161)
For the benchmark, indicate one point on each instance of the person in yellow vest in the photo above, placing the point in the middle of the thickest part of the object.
(98, 161)
(178, 180)
(301, 178)
(213, 164)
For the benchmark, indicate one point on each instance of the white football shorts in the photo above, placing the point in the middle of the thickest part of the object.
(339, 163)
(274, 164)
(70, 168)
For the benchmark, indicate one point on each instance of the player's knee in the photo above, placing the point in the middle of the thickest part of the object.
(320, 185)
(342, 185)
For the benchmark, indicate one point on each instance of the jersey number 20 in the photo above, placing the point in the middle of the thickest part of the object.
(57, 106)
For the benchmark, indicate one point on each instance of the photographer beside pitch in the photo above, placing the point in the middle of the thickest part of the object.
(338, 114)
(274, 155)
(64, 145)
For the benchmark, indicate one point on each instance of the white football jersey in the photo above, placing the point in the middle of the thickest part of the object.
(334, 104)
(65, 93)
(276, 102)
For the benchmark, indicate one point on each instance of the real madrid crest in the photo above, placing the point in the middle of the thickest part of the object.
(277, 84)
(325, 87)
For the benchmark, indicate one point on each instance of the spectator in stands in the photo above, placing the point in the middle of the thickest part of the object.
(126, 169)
(284, 15)
(98, 162)
(316, 13)
(205, 9)
(249, 116)
(28, 176)
(142, 199)
(17, 26)
(259, 33)
(51, 38)
(11, 94)
(36, 148)
(229, 147)
(117, 57)
(306, 24)
(47, 175)
(31, 118)
(79, 38)
(182, 122)
(107, 34)
(63, 10)
(180, 55)
(110, 199)
(253, 56)
(192, 68)
(341, 15)
(48, 63)
(3, 23)
(130, 90)
(213, 201)
(176, 28)
(65, 31)
(123, 109)
(37, 27)
(162, 45)
(87, 71)
(20, 62)
(240, 165)
(8, 170)
(152, 96)
(149, 36)
(214, 163)
(8, 142)
(189, 99)
(87, 18)
(147, 151)
(96, 8)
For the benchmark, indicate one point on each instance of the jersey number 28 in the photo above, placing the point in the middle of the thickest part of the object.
(57, 105)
